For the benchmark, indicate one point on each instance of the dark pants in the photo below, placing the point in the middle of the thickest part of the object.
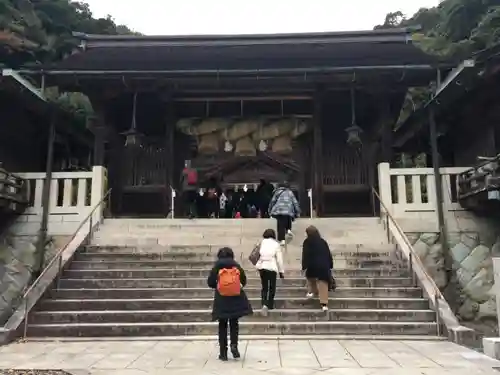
(189, 201)
(263, 206)
(268, 280)
(213, 207)
(233, 332)
(284, 223)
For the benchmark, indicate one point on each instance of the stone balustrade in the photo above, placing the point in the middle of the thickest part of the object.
(72, 197)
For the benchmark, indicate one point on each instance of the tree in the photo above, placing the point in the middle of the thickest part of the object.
(40, 31)
(392, 20)
(453, 29)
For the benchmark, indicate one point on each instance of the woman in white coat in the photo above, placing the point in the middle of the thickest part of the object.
(270, 265)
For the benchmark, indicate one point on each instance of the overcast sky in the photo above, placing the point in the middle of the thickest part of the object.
(255, 16)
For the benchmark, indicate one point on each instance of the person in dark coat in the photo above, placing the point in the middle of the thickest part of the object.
(227, 310)
(264, 194)
(317, 262)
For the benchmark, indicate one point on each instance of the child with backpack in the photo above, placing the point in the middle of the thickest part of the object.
(230, 301)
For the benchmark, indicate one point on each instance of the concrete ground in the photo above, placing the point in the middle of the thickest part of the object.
(304, 357)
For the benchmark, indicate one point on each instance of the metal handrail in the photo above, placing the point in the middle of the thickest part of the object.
(413, 256)
(58, 257)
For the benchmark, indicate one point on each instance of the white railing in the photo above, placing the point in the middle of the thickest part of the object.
(409, 190)
(72, 196)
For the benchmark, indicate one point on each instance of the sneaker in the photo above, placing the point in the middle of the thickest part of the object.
(310, 295)
(290, 233)
(265, 310)
(282, 243)
(324, 308)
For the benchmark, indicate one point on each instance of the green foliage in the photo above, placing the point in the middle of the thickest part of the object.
(40, 31)
(453, 29)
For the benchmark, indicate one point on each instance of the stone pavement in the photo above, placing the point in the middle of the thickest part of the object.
(284, 357)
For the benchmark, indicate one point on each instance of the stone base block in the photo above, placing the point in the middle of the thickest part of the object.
(491, 346)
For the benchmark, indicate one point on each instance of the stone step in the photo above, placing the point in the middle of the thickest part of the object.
(197, 282)
(192, 256)
(166, 316)
(284, 292)
(206, 303)
(192, 272)
(204, 233)
(320, 223)
(192, 250)
(250, 337)
(206, 264)
(221, 241)
(246, 328)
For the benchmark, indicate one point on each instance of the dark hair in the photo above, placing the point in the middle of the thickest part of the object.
(269, 233)
(284, 184)
(225, 252)
(312, 231)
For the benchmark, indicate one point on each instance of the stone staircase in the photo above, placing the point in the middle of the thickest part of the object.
(148, 278)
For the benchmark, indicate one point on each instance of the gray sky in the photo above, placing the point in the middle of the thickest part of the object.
(256, 16)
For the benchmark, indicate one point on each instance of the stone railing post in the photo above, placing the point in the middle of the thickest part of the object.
(99, 187)
(384, 186)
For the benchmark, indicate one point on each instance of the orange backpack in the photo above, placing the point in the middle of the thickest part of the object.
(229, 284)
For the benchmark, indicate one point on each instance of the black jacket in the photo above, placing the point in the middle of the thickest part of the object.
(317, 259)
(228, 307)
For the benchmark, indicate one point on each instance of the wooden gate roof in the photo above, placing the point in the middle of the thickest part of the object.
(368, 48)
(237, 55)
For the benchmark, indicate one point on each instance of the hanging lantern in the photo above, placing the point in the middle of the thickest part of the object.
(132, 136)
(228, 147)
(354, 135)
(353, 131)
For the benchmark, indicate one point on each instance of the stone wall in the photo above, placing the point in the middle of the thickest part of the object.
(17, 258)
(469, 290)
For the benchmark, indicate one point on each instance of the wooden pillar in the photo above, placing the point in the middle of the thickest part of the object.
(99, 145)
(97, 124)
(41, 244)
(386, 136)
(170, 119)
(381, 150)
(317, 152)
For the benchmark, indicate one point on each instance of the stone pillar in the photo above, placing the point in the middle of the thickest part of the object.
(496, 285)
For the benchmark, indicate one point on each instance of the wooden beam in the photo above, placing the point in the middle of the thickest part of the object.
(242, 98)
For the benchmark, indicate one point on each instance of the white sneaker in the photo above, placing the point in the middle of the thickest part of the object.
(290, 233)
(310, 295)
(265, 310)
(282, 243)
(324, 308)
